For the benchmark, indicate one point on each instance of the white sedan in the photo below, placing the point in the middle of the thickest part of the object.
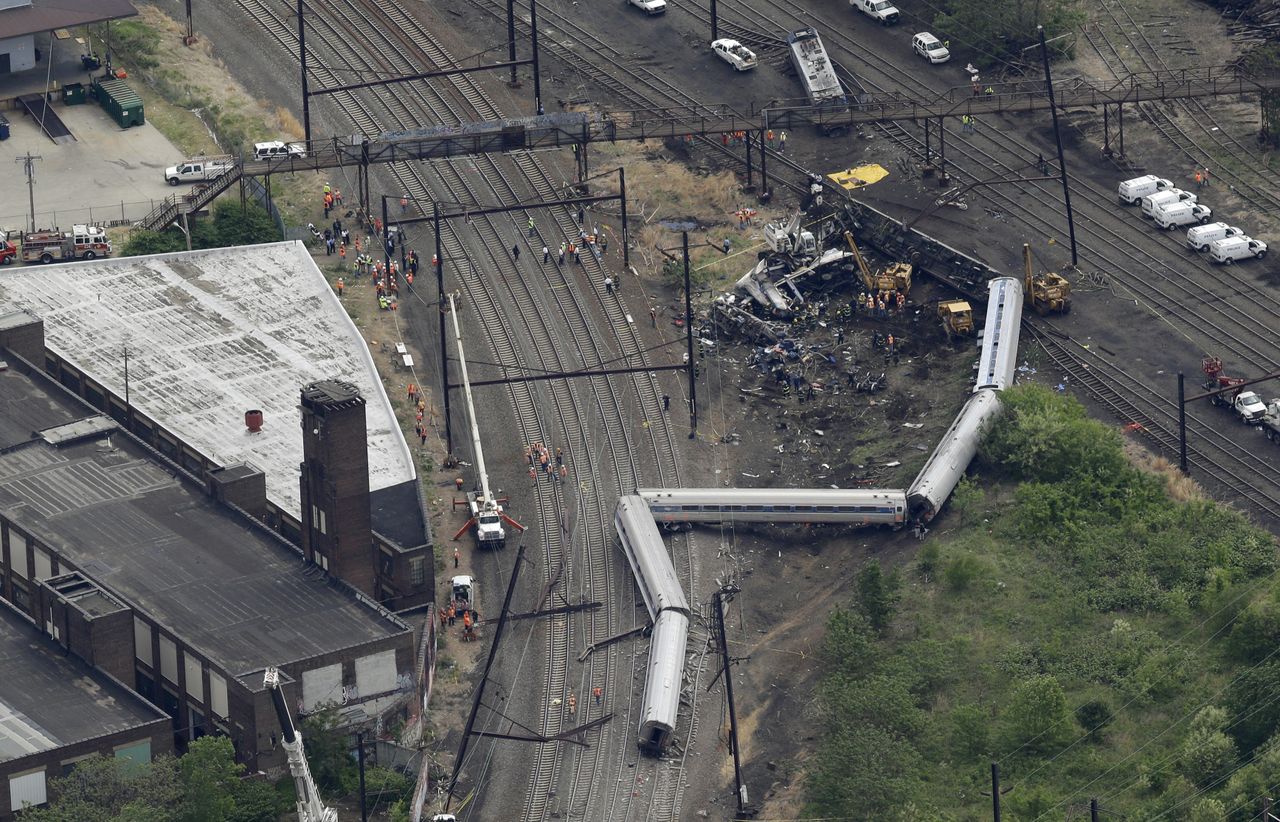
(734, 53)
(930, 48)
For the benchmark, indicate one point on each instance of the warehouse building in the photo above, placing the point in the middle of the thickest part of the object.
(165, 581)
(202, 355)
(55, 710)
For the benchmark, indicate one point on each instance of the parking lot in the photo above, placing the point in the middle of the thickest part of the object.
(105, 176)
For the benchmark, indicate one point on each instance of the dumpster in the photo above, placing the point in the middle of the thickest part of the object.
(120, 102)
(73, 94)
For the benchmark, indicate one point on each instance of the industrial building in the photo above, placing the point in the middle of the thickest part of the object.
(22, 20)
(56, 710)
(202, 355)
(166, 581)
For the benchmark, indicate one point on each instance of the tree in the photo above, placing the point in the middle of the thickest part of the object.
(878, 595)
(1037, 717)
(1094, 716)
(1207, 754)
(249, 226)
(1254, 698)
(210, 775)
(141, 243)
(1207, 810)
(1003, 28)
(329, 751)
(110, 789)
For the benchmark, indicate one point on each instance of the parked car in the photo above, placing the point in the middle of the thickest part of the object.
(734, 53)
(650, 6)
(1230, 249)
(882, 11)
(930, 48)
(1200, 236)
(1131, 191)
(1172, 215)
(1169, 195)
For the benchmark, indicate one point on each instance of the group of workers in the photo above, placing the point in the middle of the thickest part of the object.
(540, 458)
(332, 199)
(745, 216)
(880, 303)
(460, 610)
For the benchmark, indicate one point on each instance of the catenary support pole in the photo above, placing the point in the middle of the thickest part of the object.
(626, 232)
(1106, 131)
(493, 652)
(1057, 137)
(942, 151)
(1182, 426)
(444, 353)
(1093, 810)
(514, 82)
(728, 690)
(715, 23)
(537, 77)
(764, 165)
(995, 791)
(1267, 816)
(747, 141)
(688, 338)
(302, 61)
(364, 809)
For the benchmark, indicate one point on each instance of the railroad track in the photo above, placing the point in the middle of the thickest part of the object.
(414, 41)
(1232, 315)
(1245, 186)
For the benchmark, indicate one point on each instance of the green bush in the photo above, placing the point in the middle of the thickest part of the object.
(878, 594)
(971, 731)
(1207, 754)
(963, 570)
(967, 500)
(1094, 716)
(1036, 718)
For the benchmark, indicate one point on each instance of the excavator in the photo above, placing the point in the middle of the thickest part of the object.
(1048, 292)
(895, 277)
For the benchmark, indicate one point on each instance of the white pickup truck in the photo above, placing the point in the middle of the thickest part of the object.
(734, 53)
(197, 170)
(882, 11)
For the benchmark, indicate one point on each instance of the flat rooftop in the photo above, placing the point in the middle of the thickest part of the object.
(229, 589)
(46, 15)
(212, 334)
(49, 699)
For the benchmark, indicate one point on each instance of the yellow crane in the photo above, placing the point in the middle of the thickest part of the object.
(1046, 292)
(896, 277)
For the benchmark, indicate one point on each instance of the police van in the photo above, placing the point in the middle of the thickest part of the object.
(277, 148)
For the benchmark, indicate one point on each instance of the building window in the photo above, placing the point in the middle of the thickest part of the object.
(418, 571)
(20, 596)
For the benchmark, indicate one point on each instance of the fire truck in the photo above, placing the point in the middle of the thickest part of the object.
(84, 242)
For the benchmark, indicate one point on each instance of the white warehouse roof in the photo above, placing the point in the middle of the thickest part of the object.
(212, 334)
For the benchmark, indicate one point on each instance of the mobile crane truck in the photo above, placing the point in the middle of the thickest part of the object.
(310, 807)
(487, 515)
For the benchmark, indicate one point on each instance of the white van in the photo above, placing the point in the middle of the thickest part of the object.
(1200, 236)
(882, 11)
(1171, 215)
(1169, 195)
(1230, 249)
(1131, 191)
(277, 148)
(650, 6)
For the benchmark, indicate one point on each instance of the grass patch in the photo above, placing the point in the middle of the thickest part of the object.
(1100, 621)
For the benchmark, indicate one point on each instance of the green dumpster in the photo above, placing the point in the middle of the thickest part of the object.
(73, 94)
(120, 102)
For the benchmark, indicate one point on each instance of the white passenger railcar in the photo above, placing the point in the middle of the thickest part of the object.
(999, 355)
(849, 506)
(647, 555)
(664, 675)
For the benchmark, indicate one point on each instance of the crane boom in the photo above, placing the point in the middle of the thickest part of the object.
(310, 807)
(471, 407)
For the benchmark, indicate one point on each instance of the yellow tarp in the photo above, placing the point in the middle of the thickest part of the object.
(851, 178)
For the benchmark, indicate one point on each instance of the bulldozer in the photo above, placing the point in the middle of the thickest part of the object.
(957, 318)
(895, 277)
(1048, 292)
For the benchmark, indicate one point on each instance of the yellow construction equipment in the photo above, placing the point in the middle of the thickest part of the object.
(895, 277)
(957, 318)
(1046, 292)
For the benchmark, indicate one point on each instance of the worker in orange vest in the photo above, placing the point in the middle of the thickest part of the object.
(466, 625)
